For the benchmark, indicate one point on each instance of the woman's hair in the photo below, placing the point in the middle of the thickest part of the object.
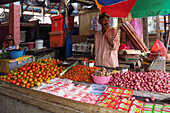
(9, 34)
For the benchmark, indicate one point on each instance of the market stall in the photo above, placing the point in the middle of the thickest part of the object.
(48, 87)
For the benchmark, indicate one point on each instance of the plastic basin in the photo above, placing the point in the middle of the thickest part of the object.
(16, 54)
(101, 80)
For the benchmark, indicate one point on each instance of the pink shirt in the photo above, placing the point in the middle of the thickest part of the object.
(105, 55)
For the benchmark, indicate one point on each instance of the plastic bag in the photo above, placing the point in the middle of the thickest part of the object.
(137, 27)
(158, 45)
(122, 47)
(68, 47)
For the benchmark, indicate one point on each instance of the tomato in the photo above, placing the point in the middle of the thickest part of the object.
(9, 75)
(8, 78)
(14, 81)
(38, 84)
(47, 81)
(32, 82)
(17, 83)
(46, 76)
(37, 75)
(44, 73)
(11, 81)
(37, 64)
(35, 78)
(33, 64)
(25, 82)
(30, 79)
(28, 85)
(23, 85)
(23, 68)
(32, 85)
(19, 80)
(24, 75)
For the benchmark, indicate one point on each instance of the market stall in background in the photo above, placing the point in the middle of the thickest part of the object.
(54, 69)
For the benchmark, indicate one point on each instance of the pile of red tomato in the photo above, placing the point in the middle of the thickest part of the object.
(34, 74)
(80, 73)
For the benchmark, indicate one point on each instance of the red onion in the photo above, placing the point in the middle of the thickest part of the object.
(147, 100)
(153, 80)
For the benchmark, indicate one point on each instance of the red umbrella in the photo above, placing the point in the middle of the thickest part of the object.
(121, 9)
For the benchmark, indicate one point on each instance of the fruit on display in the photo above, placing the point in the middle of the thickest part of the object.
(146, 100)
(153, 80)
(33, 74)
(80, 73)
(152, 98)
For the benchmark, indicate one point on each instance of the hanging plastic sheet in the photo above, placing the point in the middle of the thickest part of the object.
(68, 47)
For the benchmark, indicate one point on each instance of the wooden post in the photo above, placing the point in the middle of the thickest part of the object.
(157, 28)
(146, 32)
(22, 8)
(169, 33)
(66, 14)
(43, 14)
(14, 21)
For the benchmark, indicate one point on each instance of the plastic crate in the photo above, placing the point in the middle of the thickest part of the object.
(97, 88)
(57, 39)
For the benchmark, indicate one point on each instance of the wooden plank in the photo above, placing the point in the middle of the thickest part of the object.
(52, 107)
(140, 42)
(76, 105)
(85, 1)
(134, 37)
(25, 9)
(131, 36)
(52, 7)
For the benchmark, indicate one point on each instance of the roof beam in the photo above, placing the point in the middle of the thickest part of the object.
(52, 7)
(89, 2)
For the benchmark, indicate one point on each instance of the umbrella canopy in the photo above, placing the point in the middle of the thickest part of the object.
(119, 9)
(109, 2)
(145, 8)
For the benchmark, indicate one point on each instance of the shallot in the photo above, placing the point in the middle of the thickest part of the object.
(153, 80)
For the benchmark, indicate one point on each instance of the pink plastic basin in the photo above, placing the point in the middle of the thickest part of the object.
(101, 80)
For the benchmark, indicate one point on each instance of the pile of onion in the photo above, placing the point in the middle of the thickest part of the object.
(153, 80)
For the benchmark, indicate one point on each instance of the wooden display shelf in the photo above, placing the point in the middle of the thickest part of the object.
(49, 102)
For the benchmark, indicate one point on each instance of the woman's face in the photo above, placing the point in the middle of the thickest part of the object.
(10, 43)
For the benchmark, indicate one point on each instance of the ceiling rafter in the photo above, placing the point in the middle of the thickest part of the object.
(51, 7)
(26, 7)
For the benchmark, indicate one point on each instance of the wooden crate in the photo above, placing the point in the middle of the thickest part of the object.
(7, 65)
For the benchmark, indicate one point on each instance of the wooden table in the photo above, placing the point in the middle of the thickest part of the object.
(36, 101)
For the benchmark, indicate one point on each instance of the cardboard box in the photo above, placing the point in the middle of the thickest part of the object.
(130, 54)
(7, 65)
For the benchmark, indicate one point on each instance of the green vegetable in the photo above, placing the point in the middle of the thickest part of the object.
(69, 67)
